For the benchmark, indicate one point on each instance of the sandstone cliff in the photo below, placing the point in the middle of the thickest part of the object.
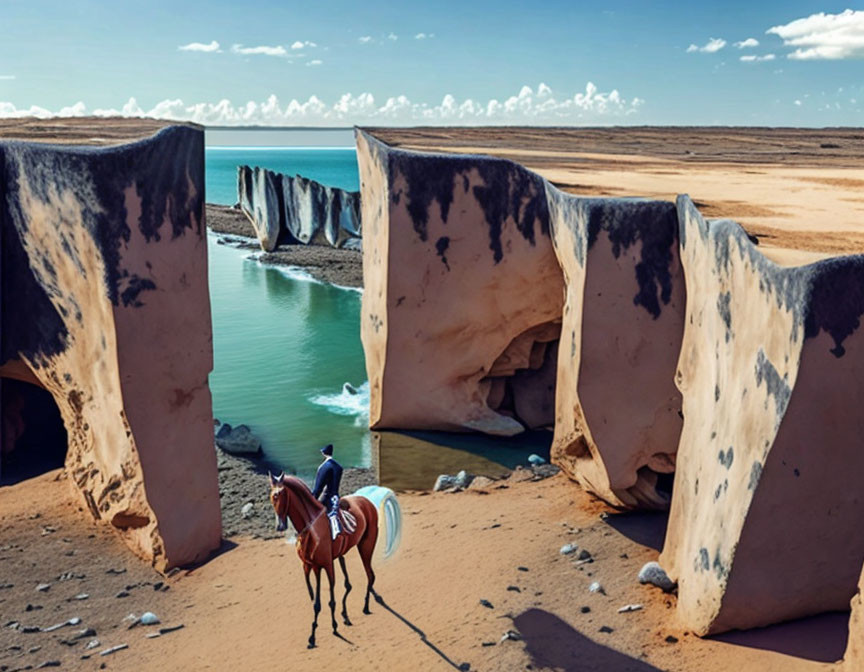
(297, 210)
(106, 305)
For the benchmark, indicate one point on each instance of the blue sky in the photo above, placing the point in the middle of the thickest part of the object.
(377, 61)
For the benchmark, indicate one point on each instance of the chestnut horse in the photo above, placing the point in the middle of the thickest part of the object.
(291, 498)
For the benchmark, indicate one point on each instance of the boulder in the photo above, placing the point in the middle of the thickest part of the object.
(106, 250)
(238, 440)
(767, 487)
(618, 411)
(654, 574)
(458, 265)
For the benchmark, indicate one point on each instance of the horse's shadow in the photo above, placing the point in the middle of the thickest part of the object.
(423, 638)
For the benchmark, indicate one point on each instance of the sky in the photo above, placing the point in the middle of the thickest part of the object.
(469, 62)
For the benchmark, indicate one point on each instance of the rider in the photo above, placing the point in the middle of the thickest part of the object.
(326, 489)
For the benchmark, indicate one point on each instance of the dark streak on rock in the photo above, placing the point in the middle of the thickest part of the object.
(441, 246)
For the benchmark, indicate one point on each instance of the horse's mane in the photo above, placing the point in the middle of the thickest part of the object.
(303, 493)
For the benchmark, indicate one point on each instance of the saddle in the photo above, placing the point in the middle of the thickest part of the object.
(341, 520)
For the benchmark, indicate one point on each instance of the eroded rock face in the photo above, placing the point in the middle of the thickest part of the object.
(106, 305)
(297, 210)
(765, 517)
(618, 412)
(854, 656)
(460, 282)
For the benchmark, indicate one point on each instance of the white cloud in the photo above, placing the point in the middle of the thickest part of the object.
(749, 42)
(753, 58)
(200, 46)
(264, 50)
(315, 62)
(365, 39)
(798, 103)
(300, 45)
(424, 36)
(6, 78)
(540, 107)
(713, 45)
(824, 36)
(393, 36)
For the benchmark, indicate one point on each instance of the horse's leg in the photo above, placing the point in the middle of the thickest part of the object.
(366, 547)
(317, 606)
(331, 577)
(306, 569)
(347, 590)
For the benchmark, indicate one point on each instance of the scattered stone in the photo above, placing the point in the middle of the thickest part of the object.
(606, 629)
(121, 594)
(238, 440)
(113, 649)
(487, 604)
(172, 628)
(596, 588)
(4, 586)
(584, 555)
(30, 629)
(514, 589)
(629, 607)
(158, 585)
(654, 574)
(48, 663)
(536, 460)
(11, 625)
(57, 626)
(523, 569)
(464, 667)
(68, 576)
(567, 549)
(671, 640)
(585, 610)
(172, 572)
(511, 635)
(149, 618)
(42, 587)
(248, 510)
(47, 529)
(34, 649)
(92, 644)
(488, 644)
(481, 483)
(81, 634)
(463, 479)
(444, 482)
(153, 635)
(32, 607)
(115, 571)
(81, 596)
(521, 474)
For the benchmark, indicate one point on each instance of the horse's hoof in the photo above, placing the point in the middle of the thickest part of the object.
(347, 622)
(366, 611)
(310, 645)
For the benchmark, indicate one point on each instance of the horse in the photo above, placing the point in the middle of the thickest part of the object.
(291, 498)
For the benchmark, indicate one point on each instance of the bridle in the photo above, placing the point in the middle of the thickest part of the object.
(288, 507)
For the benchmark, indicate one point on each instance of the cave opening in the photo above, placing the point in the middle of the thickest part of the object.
(523, 379)
(33, 438)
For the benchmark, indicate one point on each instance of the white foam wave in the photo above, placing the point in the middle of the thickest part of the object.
(347, 403)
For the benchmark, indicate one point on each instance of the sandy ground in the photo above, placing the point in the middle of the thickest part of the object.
(247, 608)
(338, 266)
(799, 191)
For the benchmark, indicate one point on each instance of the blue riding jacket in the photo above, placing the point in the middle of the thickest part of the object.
(327, 481)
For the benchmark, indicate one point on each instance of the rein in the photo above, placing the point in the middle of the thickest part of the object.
(312, 521)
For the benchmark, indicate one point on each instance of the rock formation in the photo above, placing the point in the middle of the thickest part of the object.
(297, 210)
(618, 412)
(853, 659)
(477, 297)
(467, 265)
(105, 305)
(765, 517)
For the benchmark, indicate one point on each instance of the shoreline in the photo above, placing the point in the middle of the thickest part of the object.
(335, 266)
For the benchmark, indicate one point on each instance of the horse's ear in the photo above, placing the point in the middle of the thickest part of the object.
(281, 477)
(273, 479)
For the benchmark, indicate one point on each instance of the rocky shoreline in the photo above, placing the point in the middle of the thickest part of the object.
(337, 266)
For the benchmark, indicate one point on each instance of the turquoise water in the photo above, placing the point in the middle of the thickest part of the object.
(333, 166)
(283, 344)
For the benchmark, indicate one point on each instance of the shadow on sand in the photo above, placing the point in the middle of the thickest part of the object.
(647, 528)
(552, 643)
(819, 638)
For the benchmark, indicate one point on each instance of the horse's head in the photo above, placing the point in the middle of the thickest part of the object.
(279, 500)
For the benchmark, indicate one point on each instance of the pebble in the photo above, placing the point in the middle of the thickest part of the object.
(514, 589)
(606, 629)
(512, 635)
(34, 649)
(172, 628)
(654, 574)
(629, 607)
(81, 596)
(536, 460)
(32, 607)
(30, 629)
(671, 640)
(463, 479)
(567, 549)
(487, 604)
(42, 587)
(149, 618)
(488, 644)
(113, 649)
(57, 626)
(596, 588)
(584, 555)
(248, 510)
(585, 610)
(444, 482)
(48, 663)
(115, 571)
(522, 569)
(92, 644)
(122, 593)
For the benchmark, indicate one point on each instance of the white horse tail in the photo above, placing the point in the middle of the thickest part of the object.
(389, 515)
